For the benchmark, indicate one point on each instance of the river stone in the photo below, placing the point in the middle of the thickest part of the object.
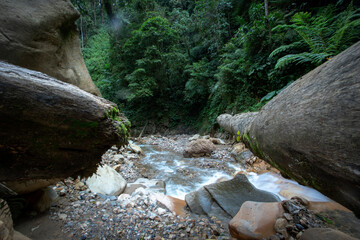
(154, 185)
(255, 220)
(224, 199)
(200, 202)
(324, 234)
(136, 149)
(106, 181)
(199, 148)
(194, 138)
(131, 187)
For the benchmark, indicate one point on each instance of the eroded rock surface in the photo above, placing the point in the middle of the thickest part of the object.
(224, 199)
(311, 130)
(51, 129)
(41, 35)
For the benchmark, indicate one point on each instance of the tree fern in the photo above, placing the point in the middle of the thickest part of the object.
(326, 35)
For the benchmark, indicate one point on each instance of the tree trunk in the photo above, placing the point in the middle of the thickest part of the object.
(51, 129)
(266, 8)
(267, 22)
(102, 11)
(95, 13)
(311, 130)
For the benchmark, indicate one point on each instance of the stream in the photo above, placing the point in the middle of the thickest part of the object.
(184, 175)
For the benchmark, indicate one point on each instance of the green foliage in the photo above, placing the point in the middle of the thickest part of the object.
(186, 62)
(325, 35)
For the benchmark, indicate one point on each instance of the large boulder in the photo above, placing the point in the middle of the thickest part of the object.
(224, 199)
(106, 181)
(311, 130)
(51, 130)
(255, 220)
(41, 35)
(6, 224)
(199, 148)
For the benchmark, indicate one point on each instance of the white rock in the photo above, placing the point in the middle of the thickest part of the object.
(123, 197)
(161, 211)
(62, 216)
(136, 149)
(194, 138)
(118, 158)
(106, 181)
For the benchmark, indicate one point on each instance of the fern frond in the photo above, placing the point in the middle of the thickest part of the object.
(315, 58)
(337, 38)
(285, 48)
(282, 27)
(301, 18)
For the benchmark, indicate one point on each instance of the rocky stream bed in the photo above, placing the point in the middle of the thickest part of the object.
(143, 211)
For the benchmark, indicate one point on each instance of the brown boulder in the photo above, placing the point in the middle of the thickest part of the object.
(199, 148)
(41, 35)
(51, 129)
(255, 220)
(175, 205)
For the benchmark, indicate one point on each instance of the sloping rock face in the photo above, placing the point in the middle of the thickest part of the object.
(51, 129)
(224, 199)
(41, 35)
(311, 130)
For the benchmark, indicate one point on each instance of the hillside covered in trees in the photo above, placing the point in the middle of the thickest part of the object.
(184, 62)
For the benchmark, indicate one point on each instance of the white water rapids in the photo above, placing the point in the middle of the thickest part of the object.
(182, 175)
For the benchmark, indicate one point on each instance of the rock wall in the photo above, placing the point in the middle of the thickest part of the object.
(41, 35)
(311, 130)
(51, 129)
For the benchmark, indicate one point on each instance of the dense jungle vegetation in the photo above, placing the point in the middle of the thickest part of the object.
(187, 61)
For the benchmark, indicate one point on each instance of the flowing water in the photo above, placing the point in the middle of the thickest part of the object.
(183, 175)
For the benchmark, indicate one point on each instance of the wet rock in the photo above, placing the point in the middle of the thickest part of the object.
(175, 205)
(155, 185)
(136, 149)
(255, 220)
(280, 224)
(324, 234)
(131, 187)
(237, 149)
(106, 181)
(244, 156)
(224, 199)
(198, 148)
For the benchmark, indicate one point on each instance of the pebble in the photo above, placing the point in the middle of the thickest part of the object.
(298, 218)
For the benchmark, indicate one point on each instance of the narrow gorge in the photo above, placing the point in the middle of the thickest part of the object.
(158, 119)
